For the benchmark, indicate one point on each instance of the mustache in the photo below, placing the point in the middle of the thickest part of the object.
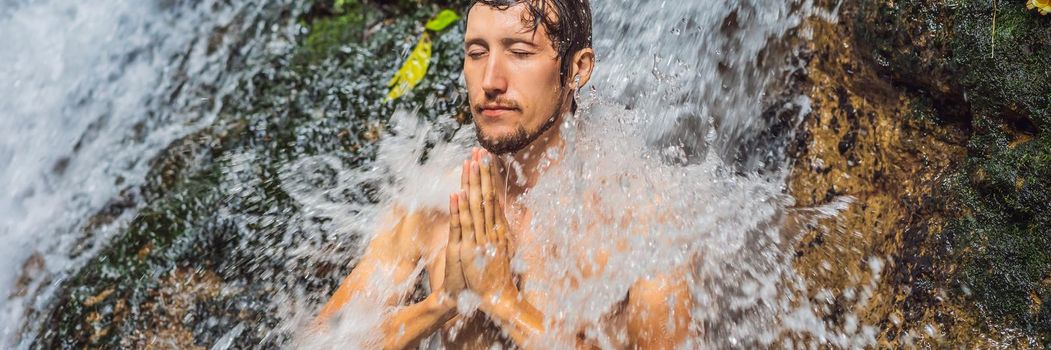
(501, 102)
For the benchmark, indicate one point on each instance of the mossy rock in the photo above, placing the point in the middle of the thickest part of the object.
(326, 98)
(985, 67)
(947, 49)
(1002, 236)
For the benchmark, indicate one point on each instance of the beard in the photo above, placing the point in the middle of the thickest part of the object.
(515, 142)
(518, 139)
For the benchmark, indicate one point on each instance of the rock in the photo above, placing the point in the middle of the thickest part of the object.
(938, 130)
(208, 250)
(934, 123)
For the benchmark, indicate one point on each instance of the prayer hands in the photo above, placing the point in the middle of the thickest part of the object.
(454, 281)
(478, 230)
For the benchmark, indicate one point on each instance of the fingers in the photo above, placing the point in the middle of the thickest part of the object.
(452, 250)
(478, 200)
(463, 176)
(493, 176)
(499, 221)
(488, 209)
(466, 224)
(454, 220)
(475, 199)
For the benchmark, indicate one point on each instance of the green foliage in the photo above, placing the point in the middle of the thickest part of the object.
(328, 34)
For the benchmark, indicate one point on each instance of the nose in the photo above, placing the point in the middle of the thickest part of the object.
(495, 80)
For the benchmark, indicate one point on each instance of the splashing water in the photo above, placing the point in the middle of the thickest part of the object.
(670, 162)
(92, 92)
(674, 80)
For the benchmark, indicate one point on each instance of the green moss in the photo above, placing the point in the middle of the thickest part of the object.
(946, 50)
(325, 99)
(1005, 78)
(326, 35)
(996, 84)
(122, 269)
(1002, 234)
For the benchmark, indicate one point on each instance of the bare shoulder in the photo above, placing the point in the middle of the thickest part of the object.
(658, 291)
(658, 311)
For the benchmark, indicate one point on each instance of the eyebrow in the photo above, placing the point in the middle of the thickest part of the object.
(512, 41)
(474, 41)
(505, 41)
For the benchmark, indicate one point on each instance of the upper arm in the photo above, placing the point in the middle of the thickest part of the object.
(658, 312)
(392, 251)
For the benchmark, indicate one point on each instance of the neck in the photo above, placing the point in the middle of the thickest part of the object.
(522, 169)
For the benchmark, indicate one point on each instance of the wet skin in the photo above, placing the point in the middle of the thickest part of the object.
(512, 78)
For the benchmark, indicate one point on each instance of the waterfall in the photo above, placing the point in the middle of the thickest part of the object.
(92, 92)
(680, 112)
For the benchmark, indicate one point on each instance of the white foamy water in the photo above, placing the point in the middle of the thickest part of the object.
(650, 214)
(691, 65)
(92, 91)
(673, 81)
(99, 89)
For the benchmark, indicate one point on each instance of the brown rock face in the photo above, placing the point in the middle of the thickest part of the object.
(890, 138)
(168, 309)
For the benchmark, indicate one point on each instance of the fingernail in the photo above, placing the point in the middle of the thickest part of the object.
(485, 161)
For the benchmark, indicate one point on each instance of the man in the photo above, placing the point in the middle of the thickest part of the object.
(524, 62)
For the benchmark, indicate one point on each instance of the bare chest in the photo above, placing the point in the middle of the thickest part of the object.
(544, 270)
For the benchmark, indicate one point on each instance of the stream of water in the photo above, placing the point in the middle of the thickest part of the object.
(92, 92)
(679, 113)
(673, 117)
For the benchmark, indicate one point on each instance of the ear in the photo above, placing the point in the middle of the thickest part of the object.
(583, 65)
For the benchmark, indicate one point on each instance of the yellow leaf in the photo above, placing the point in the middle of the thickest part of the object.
(442, 20)
(413, 70)
(1044, 6)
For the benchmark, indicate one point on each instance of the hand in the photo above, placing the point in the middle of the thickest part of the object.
(483, 242)
(454, 281)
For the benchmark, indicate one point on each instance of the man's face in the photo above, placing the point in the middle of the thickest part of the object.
(512, 77)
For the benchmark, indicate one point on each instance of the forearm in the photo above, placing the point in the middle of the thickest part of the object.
(520, 320)
(524, 323)
(409, 325)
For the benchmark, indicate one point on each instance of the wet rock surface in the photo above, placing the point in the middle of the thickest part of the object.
(933, 117)
(933, 123)
(184, 273)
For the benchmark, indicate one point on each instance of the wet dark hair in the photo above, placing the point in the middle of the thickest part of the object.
(569, 30)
